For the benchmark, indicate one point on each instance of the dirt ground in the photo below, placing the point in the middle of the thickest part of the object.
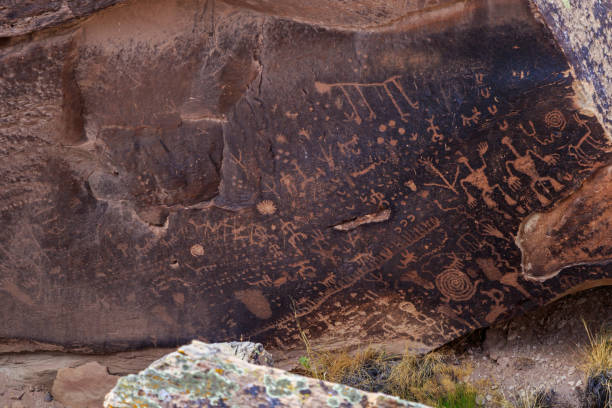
(12, 396)
(541, 349)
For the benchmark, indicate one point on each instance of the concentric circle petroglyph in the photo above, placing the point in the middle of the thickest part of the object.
(455, 285)
(555, 119)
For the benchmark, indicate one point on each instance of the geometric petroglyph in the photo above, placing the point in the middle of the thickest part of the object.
(455, 285)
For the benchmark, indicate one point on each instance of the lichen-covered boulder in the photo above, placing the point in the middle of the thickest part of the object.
(250, 352)
(216, 375)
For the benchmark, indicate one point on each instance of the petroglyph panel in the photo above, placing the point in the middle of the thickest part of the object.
(213, 172)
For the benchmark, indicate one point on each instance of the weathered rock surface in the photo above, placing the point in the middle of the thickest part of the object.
(19, 17)
(584, 29)
(203, 374)
(577, 231)
(40, 368)
(198, 169)
(84, 386)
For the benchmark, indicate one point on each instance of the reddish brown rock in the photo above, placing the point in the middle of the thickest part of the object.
(84, 386)
(175, 170)
(577, 231)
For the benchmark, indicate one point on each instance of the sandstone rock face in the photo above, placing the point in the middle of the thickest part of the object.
(202, 374)
(577, 231)
(84, 386)
(197, 169)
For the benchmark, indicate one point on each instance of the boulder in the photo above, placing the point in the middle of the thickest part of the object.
(203, 374)
(84, 386)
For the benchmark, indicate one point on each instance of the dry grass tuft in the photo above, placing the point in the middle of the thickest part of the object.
(598, 367)
(365, 369)
(531, 398)
(598, 355)
(429, 379)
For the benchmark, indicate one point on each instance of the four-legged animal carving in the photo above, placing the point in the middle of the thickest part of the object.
(577, 151)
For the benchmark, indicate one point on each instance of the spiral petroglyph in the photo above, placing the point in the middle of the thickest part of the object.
(555, 119)
(455, 285)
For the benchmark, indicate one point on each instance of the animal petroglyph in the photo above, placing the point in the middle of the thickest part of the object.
(587, 141)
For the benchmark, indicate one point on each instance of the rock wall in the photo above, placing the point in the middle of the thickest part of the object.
(195, 169)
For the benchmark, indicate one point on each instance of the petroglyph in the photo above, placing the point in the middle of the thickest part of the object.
(455, 285)
(266, 207)
(592, 145)
(354, 93)
(525, 164)
(478, 178)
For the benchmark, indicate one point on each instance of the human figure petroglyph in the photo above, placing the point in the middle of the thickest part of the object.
(479, 179)
(526, 165)
(290, 231)
(434, 130)
(392, 89)
(288, 181)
